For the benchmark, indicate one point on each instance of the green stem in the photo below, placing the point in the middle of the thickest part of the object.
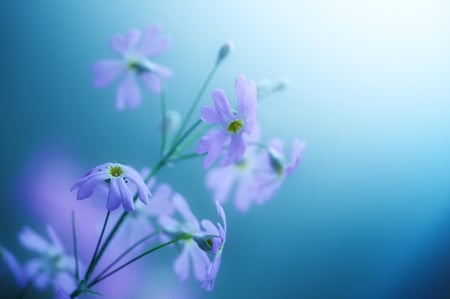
(75, 247)
(163, 123)
(95, 258)
(94, 282)
(185, 157)
(126, 252)
(195, 102)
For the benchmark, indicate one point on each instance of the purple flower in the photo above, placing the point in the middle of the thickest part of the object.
(274, 168)
(189, 226)
(232, 124)
(122, 182)
(52, 266)
(135, 48)
(256, 177)
(214, 245)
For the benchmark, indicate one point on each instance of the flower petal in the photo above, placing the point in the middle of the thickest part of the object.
(14, 266)
(220, 181)
(222, 105)
(246, 97)
(235, 152)
(32, 241)
(200, 262)
(105, 71)
(209, 227)
(211, 143)
(298, 148)
(136, 179)
(88, 187)
(114, 196)
(152, 81)
(163, 71)
(183, 208)
(127, 197)
(209, 115)
(122, 43)
(152, 42)
(181, 265)
(128, 93)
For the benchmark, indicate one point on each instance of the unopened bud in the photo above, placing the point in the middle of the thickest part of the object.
(172, 121)
(224, 51)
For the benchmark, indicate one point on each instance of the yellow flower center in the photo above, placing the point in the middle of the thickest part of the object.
(235, 126)
(115, 171)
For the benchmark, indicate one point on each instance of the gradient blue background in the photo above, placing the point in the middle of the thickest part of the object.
(367, 215)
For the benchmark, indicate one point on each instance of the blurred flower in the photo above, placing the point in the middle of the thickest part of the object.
(52, 267)
(224, 51)
(233, 125)
(135, 48)
(118, 177)
(256, 177)
(212, 240)
(267, 87)
(274, 168)
(191, 252)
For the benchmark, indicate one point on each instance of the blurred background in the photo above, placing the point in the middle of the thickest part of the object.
(367, 213)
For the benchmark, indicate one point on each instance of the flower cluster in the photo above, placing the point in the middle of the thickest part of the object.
(249, 170)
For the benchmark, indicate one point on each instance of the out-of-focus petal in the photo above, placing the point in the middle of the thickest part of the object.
(220, 181)
(122, 43)
(246, 97)
(128, 93)
(181, 265)
(209, 227)
(245, 191)
(152, 81)
(183, 208)
(32, 241)
(235, 151)
(200, 261)
(163, 71)
(13, 264)
(105, 71)
(298, 148)
(152, 42)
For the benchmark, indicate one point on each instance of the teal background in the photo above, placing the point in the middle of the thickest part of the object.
(366, 215)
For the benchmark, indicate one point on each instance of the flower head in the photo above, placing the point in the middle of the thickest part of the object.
(52, 266)
(187, 226)
(256, 177)
(232, 125)
(274, 167)
(216, 241)
(135, 48)
(121, 180)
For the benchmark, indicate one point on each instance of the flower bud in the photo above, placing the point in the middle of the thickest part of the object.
(226, 48)
(172, 121)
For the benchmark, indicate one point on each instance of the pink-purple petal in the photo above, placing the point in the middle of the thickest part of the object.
(222, 105)
(126, 196)
(235, 151)
(122, 43)
(152, 42)
(298, 148)
(209, 115)
(200, 261)
(106, 71)
(114, 196)
(152, 82)
(181, 265)
(246, 97)
(128, 93)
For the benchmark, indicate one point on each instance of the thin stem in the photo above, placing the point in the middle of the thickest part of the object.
(195, 102)
(75, 247)
(137, 258)
(126, 252)
(95, 258)
(185, 157)
(163, 123)
(24, 290)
